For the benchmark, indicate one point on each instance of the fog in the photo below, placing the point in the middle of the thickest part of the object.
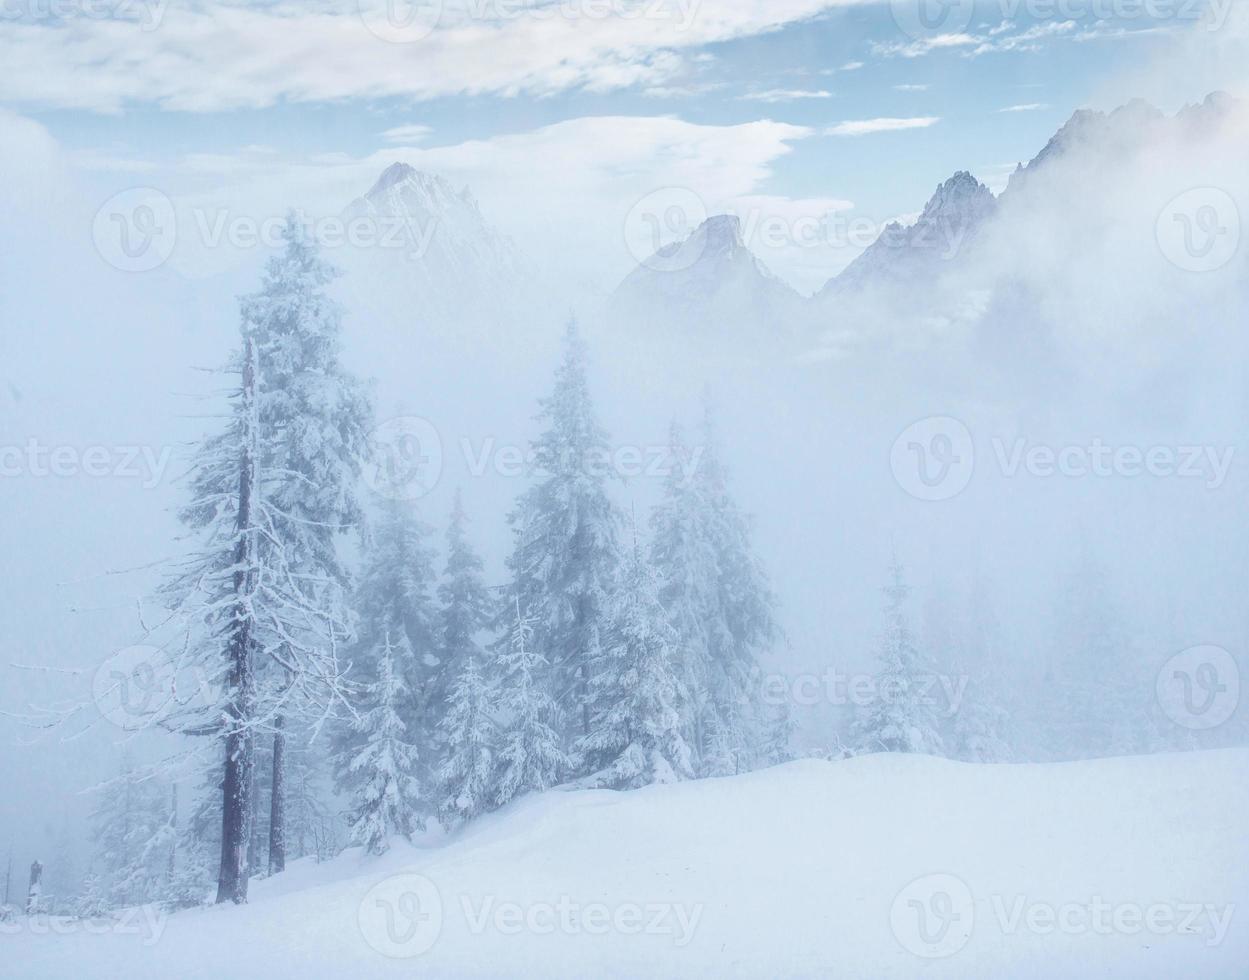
(1058, 410)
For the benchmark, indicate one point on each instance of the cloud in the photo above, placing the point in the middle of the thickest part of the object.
(910, 88)
(787, 95)
(211, 55)
(571, 208)
(852, 66)
(923, 46)
(864, 127)
(411, 133)
(1028, 107)
(998, 39)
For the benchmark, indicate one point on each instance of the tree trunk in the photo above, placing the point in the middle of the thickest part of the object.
(172, 870)
(277, 801)
(35, 889)
(236, 808)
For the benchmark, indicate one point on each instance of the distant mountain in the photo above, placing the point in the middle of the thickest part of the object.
(709, 280)
(1124, 131)
(944, 232)
(437, 238)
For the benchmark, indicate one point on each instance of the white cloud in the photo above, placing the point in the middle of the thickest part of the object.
(212, 55)
(787, 95)
(923, 46)
(1026, 107)
(910, 88)
(998, 39)
(864, 127)
(411, 133)
(852, 66)
(571, 207)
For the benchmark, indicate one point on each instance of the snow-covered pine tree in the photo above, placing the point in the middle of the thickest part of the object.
(566, 553)
(470, 735)
(899, 717)
(311, 826)
(637, 699)
(1096, 697)
(131, 828)
(531, 757)
(382, 770)
(467, 733)
(778, 736)
(394, 599)
(91, 903)
(983, 728)
(466, 611)
(316, 417)
(718, 598)
(259, 607)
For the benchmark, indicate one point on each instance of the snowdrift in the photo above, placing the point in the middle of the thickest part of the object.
(884, 866)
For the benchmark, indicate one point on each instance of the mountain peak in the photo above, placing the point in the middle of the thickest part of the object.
(721, 233)
(402, 173)
(960, 196)
(450, 252)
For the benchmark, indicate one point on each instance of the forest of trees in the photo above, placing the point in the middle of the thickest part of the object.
(349, 707)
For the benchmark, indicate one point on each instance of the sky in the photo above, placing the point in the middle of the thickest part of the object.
(561, 116)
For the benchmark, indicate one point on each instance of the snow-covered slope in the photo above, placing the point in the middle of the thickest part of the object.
(879, 867)
(710, 281)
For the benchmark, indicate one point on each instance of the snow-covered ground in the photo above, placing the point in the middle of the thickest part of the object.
(885, 866)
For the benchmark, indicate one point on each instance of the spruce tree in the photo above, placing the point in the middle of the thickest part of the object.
(899, 717)
(394, 599)
(531, 757)
(382, 769)
(470, 734)
(131, 828)
(466, 732)
(466, 611)
(719, 600)
(566, 527)
(260, 606)
(637, 700)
